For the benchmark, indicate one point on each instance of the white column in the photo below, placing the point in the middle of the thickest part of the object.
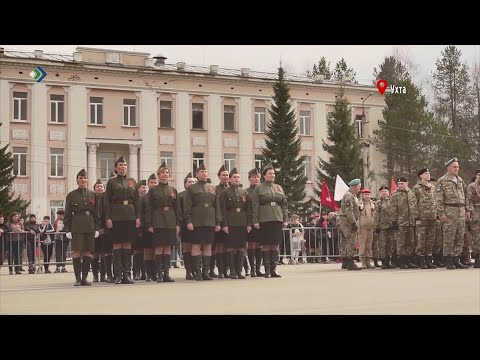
(148, 134)
(319, 133)
(77, 133)
(246, 159)
(39, 150)
(4, 112)
(133, 161)
(92, 161)
(214, 158)
(182, 155)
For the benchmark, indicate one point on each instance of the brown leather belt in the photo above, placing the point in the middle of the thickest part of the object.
(236, 210)
(455, 205)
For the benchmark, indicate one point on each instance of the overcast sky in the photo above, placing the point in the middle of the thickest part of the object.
(297, 58)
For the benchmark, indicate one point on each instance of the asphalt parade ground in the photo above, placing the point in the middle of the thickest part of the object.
(303, 290)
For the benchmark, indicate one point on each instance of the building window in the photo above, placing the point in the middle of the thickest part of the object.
(20, 161)
(96, 110)
(359, 126)
(107, 165)
(304, 122)
(259, 119)
(259, 161)
(57, 108)
(197, 161)
(229, 118)
(307, 168)
(165, 114)
(129, 112)
(19, 106)
(229, 160)
(56, 162)
(197, 116)
(55, 205)
(167, 157)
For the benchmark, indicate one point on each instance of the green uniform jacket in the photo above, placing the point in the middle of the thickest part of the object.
(269, 203)
(81, 212)
(122, 202)
(143, 210)
(403, 207)
(181, 209)
(349, 209)
(202, 207)
(426, 203)
(162, 207)
(236, 207)
(473, 200)
(382, 217)
(101, 209)
(249, 196)
(449, 192)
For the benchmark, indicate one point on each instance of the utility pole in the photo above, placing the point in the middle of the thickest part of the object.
(365, 144)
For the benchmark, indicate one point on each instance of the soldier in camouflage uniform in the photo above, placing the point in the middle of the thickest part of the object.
(453, 209)
(473, 199)
(382, 228)
(253, 241)
(437, 250)
(427, 216)
(222, 257)
(348, 224)
(203, 217)
(403, 211)
(81, 224)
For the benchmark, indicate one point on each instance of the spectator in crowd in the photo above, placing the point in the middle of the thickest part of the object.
(14, 242)
(61, 242)
(312, 239)
(3, 231)
(46, 229)
(32, 227)
(332, 234)
(296, 238)
(322, 246)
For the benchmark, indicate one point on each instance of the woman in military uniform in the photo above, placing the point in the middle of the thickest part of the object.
(161, 220)
(219, 254)
(139, 243)
(122, 213)
(81, 224)
(203, 217)
(148, 250)
(185, 234)
(270, 214)
(236, 222)
(253, 240)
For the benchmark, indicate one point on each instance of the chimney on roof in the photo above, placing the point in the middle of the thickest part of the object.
(2, 51)
(159, 59)
(77, 56)
(180, 66)
(149, 62)
(319, 78)
(214, 69)
(38, 54)
(245, 72)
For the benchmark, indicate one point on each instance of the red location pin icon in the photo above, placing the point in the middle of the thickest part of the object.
(382, 86)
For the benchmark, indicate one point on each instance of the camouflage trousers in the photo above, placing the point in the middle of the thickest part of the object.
(375, 249)
(438, 239)
(425, 232)
(405, 238)
(347, 240)
(467, 243)
(385, 239)
(453, 231)
(476, 237)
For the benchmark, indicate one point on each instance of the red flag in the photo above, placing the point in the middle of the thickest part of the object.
(327, 197)
(393, 186)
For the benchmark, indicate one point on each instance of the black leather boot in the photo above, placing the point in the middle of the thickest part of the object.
(103, 269)
(266, 263)
(394, 261)
(148, 269)
(127, 266)
(206, 261)
(351, 264)
(226, 265)
(477, 261)
(197, 267)
(273, 263)
(449, 263)
(251, 260)
(136, 266)
(458, 264)
(187, 262)
(212, 266)
(344, 263)
(258, 262)
(108, 268)
(421, 262)
(143, 271)
(85, 269)
(160, 267)
(384, 263)
(465, 259)
(219, 258)
(166, 273)
(95, 268)
(77, 269)
(411, 262)
(402, 262)
(118, 265)
(240, 257)
(246, 265)
(233, 268)
(428, 263)
(375, 262)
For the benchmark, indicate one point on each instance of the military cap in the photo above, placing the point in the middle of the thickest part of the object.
(402, 179)
(383, 188)
(234, 171)
(141, 183)
(99, 181)
(422, 171)
(222, 168)
(454, 159)
(161, 167)
(189, 175)
(82, 173)
(152, 177)
(120, 160)
(433, 178)
(365, 191)
(266, 168)
(253, 172)
(201, 167)
(354, 182)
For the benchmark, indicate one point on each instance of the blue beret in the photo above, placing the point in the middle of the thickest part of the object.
(354, 182)
(451, 161)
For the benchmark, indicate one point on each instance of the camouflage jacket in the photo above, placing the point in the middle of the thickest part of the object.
(447, 192)
(349, 209)
(382, 215)
(473, 200)
(426, 203)
(403, 207)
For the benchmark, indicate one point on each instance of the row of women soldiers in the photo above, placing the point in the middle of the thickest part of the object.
(110, 222)
(422, 226)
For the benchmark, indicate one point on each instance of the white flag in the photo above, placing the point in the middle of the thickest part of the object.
(340, 188)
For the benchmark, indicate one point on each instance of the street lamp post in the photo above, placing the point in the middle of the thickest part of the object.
(365, 144)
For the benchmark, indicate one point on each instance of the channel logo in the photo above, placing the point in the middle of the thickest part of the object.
(38, 74)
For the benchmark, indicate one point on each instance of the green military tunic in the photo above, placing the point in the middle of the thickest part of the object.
(382, 224)
(473, 200)
(427, 215)
(349, 215)
(252, 235)
(202, 207)
(220, 236)
(122, 201)
(161, 207)
(269, 203)
(236, 215)
(81, 212)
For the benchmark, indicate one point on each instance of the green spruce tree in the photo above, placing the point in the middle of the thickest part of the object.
(322, 68)
(282, 148)
(341, 68)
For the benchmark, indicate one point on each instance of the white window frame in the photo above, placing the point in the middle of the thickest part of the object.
(55, 104)
(198, 110)
(257, 126)
(359, 126)
(55, 169)
(199, 161)
(20, 103)
(229, 160)
(167, 156)
(165, 107)
(307, 168)
(259, 162)
(97, 109)
(54, 207)
(19, 156)
(225, 112)
(108, 159)
(304, 118)
(129, 114)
